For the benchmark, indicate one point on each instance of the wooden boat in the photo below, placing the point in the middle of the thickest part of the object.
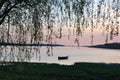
(62, 57)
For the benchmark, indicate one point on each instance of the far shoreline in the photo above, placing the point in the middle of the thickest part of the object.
(115, 46)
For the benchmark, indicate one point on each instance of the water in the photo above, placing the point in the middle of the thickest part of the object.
(82, 54)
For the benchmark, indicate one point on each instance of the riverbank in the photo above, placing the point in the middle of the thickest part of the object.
(42, 71)
(19, 44)
(107, 46)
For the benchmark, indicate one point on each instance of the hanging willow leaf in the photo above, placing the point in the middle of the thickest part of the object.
(37, 21)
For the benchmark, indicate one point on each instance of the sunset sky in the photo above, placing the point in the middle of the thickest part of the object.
(59, 18)
(99, 38)
(99, 34)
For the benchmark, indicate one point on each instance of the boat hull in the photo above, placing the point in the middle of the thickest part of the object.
(62, 57)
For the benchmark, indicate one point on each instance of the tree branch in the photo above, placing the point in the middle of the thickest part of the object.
(6, 12)
(2, 3)
(6, 8)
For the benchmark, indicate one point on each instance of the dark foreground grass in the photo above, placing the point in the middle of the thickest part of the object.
(41, 71)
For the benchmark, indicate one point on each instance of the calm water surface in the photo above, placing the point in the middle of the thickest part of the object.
(82, 54)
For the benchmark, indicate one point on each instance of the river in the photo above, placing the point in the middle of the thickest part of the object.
(82, 54)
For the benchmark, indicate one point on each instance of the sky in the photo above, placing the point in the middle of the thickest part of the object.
(99, 34)
(85, 40)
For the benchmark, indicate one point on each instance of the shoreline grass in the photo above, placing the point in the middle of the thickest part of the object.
(43, 71)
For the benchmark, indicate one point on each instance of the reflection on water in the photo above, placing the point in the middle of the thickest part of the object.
(19, 53)
(38, 54)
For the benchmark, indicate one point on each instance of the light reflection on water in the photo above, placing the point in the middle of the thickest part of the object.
(82, 54)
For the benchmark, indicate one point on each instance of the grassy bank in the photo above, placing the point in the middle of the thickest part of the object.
(79, 71)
